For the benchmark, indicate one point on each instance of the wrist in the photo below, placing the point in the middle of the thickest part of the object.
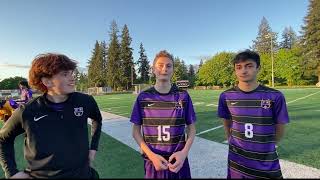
(185, 152)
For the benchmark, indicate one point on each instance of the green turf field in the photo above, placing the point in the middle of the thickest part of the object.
(301, 142)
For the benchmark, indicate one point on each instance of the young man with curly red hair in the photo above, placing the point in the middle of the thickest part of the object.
(55, 125)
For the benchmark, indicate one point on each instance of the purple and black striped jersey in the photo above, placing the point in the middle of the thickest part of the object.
(163, 118)
(254, 115)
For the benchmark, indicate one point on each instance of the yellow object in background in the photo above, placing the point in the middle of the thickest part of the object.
(5, 110)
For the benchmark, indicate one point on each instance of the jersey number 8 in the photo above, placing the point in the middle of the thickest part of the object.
(248, 127)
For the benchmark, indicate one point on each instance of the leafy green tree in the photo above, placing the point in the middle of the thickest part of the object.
(287, 65)
(11, 82)
(218, 70)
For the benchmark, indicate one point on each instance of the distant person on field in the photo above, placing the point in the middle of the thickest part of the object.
(25, 92)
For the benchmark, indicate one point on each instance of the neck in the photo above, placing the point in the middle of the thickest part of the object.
(56, 98)
(162, 86)
(248, 86)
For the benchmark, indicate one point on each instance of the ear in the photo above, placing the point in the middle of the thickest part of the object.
(47, 82)
(259, 68)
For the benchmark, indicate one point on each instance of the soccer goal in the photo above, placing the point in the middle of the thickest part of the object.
(140, 87)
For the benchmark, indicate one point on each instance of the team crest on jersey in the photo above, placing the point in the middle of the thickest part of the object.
(179, 104)
(266, 104)
(78, 111)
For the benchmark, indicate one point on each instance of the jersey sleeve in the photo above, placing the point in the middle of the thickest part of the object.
(223, 111)
(190, 113)
(10, 130)
(280, 112)
(136, 116)
(96, 117)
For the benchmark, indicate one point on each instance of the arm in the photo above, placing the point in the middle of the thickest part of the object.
(191, 133)
(227, 129)
(281, 116)
(158, 161)
(180, 156)
(96, 118)
(8, 133)
(279, 132)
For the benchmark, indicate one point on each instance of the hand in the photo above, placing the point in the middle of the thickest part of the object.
(159, 162)
(92, 155)
(21, 175)
(176, 165)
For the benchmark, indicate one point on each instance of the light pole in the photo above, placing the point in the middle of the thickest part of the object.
(272, 73)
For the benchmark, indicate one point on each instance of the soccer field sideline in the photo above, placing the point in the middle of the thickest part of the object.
(215, 153)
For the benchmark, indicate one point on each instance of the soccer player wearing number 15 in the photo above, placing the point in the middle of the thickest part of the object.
(159, 117)
(254, 118)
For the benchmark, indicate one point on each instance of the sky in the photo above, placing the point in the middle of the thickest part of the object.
(189, 29)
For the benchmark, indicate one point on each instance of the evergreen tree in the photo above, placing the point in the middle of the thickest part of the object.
(95, 70)
(289, 38)
(113, 59)
(191, 75)
(104, 49)
(143, 66)
(311, 39)
(180, 70)
(262, 44)
(126, 58)
(200, 64)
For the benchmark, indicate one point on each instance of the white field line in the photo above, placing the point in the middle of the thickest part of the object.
(116, 107)
(114, 98)
(303, 97)
(212, 105)
(208, 130)
(198, 103)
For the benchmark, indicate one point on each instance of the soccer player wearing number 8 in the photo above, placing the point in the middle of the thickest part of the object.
(254, 118)
(159, 117)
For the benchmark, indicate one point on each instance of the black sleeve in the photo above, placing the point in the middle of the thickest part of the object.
(95, 115)
(11, 128)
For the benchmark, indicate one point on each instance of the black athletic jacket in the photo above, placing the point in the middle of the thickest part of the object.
(56, 143)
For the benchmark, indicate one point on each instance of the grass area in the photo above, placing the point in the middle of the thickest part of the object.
(114, 159)
(301, 141)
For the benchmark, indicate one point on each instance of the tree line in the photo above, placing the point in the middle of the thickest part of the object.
(296, 60)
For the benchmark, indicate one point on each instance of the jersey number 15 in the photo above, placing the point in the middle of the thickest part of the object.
(165, 131)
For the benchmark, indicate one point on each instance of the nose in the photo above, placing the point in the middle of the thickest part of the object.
(244, 70)
(165, 69)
